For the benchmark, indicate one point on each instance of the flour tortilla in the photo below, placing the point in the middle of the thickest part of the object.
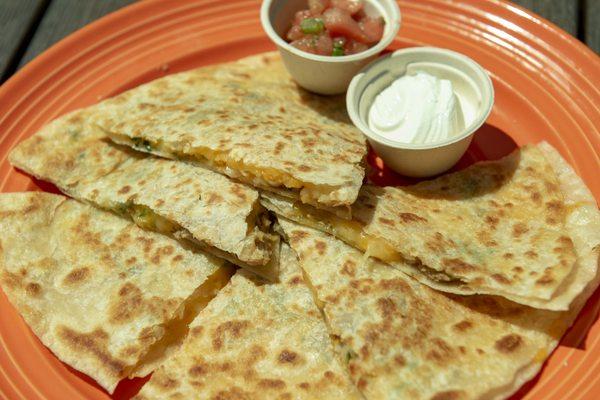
(256, 340)
(97, 290)
(404, 340)
(250, 121)
(193, 204)
(499, 228)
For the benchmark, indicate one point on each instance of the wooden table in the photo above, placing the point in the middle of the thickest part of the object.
(28, 27)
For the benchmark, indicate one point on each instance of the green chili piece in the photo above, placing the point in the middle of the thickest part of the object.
(337, 51)
(141, 143)
(312, 26)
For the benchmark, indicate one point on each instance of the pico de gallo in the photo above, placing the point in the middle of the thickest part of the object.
(335, 28)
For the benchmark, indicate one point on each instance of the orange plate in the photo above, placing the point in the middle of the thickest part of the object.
(547, 88)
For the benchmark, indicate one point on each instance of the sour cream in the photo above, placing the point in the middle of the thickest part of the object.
(417, 108)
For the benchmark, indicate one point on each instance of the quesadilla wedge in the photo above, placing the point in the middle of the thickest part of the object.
(96, 289)
(498, 228)
(404, 340)
(256, 340)
(250, 121)
(192, 204)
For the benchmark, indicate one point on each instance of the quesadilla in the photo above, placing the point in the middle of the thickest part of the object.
(403, 340)
(498, 228)
(250, 121)
(192, 204)
(96, 289)
(256, 340)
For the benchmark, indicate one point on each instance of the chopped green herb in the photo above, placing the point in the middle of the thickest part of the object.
(123, 209)
(350, 355)
(143, 217)
(337, 51)
(142, 144)
(312, 26)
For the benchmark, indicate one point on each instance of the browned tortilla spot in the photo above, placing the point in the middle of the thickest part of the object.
(288, 357)
(448, 395)
(463, 325)
(321, 247)
(77, 275)
(501, 279)
(386, 221)
(94, 343)
(508, 343)
(410, 217)
(519, 229)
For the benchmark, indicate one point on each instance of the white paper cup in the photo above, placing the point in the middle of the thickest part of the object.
(324, 74)
(469, 80)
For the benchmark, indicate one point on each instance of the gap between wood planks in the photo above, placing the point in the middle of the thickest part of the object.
(20, 50)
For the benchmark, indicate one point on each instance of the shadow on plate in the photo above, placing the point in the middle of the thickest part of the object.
(489, 143)
(128, 388)
(125, 390)
(576, 335)
(575, 338)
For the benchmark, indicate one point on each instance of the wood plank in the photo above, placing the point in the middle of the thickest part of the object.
(17, 18)
(563, 13)
(591, 20)
(65, 16)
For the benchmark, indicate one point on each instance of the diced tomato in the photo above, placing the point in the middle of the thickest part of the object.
(372, 28)
(322, 44)
(340, 22)
(352, 6)
(353, 47)
(334, 28)
(301, 16)
(339, 40)
(317, 6)
(360, 15)
(295, 33)
(304, 44)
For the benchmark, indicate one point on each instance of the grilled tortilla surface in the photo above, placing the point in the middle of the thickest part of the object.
(248, 120)
(95, 288)
(256, 340)
(188, 202)
(403, 340)
(497, 228)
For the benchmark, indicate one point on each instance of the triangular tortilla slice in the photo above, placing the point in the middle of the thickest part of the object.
(499, 227)
(404, 340)
(191, 203)
(256, 340)
(96, 289)
(249, 120)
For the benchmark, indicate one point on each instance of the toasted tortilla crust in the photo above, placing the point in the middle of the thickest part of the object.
(195, 204)
(256, 341)
(495, 228)
(250, 121)
(405, 340)
(96, 289)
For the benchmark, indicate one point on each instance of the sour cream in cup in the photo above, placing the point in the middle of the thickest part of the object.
(419, 107)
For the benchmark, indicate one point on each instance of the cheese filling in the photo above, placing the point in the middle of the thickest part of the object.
(220, 162)
(349, 231)
(352, 232)
(176, 329)
(145, 218)
(258, 258)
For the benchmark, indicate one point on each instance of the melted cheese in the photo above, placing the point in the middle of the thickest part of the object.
(220, 161)
(145, 218)
(177, 329)
(350, 232)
